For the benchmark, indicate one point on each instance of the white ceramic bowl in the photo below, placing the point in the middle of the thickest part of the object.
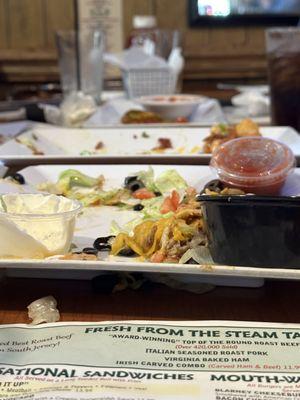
(171, 107)
(36, 225)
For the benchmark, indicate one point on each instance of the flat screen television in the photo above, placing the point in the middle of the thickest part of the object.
(244, 12)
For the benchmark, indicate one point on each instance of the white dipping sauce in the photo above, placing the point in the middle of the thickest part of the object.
(36, 225)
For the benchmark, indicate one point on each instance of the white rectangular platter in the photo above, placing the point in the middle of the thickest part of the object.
(96, 222)
(121, 145)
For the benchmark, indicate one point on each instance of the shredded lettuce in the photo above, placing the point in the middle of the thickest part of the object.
(170, 180)
(151, 211)
(223, 128)
(71, 177)
(152, 207)
(89, 199)
(115, 228)
(147, 177)
(199, 253)
(164, 183)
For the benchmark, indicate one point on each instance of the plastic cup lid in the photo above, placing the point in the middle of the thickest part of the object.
(254, 158)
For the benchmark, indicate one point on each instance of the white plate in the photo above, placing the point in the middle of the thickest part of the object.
(96, 222)
(62, 145)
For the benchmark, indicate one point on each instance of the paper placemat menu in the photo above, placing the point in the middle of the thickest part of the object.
(150, 360)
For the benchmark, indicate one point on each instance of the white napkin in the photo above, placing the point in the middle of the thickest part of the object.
(256, 102)
(208, 112)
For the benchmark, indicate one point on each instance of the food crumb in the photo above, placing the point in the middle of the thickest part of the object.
(163, 143)
(79, 256)
(99, 146)
(195, 149)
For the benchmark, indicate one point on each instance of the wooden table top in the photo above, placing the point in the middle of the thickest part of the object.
(276, 301)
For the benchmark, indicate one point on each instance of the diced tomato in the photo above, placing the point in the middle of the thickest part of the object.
(167, 206)
(158, 257)
(143, 194)
(170, 203)
(175, 198)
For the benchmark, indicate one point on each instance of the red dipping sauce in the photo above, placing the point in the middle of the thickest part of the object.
(254, 164)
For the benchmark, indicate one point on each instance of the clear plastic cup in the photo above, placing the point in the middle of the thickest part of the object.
(254, 164)
(36, 225)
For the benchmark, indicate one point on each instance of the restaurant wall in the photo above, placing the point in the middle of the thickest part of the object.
(27, 49)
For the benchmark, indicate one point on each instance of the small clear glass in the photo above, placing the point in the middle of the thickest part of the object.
(80, 58)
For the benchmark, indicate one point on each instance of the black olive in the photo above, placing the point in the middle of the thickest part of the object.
(127, 252)
(102, 243)
(214, 186)
(90, 250)
(104, 239)
(129, 179)
(18, 178)
(104, 283)
(191, 261)
(133, 183)
(138, 207)
(157, 194)
(102, 246)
